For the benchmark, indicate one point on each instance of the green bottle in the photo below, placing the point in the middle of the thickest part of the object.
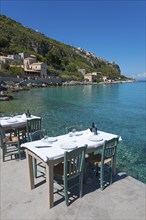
(28, 115)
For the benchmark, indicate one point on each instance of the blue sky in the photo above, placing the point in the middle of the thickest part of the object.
(113, 30)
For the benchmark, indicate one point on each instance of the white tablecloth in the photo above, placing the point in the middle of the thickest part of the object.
(15, 121)
(54, 150)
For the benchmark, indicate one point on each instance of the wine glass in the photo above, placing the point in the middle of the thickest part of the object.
(73, 131)
(45, 137)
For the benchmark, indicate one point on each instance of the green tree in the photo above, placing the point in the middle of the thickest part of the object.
(16, 70)
(71, 67)
(5, 66)
(59, 57)
(3, 42)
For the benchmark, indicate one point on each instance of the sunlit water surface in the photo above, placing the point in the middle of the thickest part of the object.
(118, 109)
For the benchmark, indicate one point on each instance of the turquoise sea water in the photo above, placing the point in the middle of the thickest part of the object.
(115, 108)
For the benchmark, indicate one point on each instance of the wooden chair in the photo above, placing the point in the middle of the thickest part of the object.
(22, 134)
(33, 125)
(71, 169)
(37, 135)
(105, 162)
(9, 143)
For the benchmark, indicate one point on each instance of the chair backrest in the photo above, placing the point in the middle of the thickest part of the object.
(109, 149)
(33, 125)
(9, 143)
(74, 162)
(37, 135)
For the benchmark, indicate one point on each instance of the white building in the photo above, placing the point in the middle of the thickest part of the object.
(30, 65)
(24, 55)
(10, 58)
(42, 67)
(36, 69)
(28, 61)
(91, 77)
(104, 78)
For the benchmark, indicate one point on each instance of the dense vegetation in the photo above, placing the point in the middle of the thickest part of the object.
(61, 59)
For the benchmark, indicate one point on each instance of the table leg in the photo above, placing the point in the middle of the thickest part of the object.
(49, 182)
(30, 170)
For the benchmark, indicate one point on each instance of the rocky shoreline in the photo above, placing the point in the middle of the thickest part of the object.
(9, 86)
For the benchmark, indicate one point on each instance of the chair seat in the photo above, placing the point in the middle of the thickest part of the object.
(96, 160)
(58, 170)
(106, 162)
(10, 140)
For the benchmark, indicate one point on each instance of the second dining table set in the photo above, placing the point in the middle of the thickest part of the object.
(64, 157)
(14, 130)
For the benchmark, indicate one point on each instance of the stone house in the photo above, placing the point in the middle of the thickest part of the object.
(91, 77)
(10, 58)
(36, 69)
(30, 65)
(28, 61)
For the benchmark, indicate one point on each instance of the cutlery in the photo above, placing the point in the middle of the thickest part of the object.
(42, 146)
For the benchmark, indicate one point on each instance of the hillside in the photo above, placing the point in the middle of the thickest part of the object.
(61, 59)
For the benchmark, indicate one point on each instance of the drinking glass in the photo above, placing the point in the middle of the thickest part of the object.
(45, 137)
(73, 131)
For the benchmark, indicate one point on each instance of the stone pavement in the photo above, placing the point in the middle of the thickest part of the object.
(124, 199)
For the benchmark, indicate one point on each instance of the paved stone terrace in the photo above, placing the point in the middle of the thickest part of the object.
(124, 199)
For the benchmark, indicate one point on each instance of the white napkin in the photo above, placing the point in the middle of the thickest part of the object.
(24, 117)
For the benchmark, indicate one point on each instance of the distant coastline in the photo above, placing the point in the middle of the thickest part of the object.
(11, 85)
(142, 80)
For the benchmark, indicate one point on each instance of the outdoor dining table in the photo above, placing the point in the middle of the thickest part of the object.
(15, 121)
(51, 151)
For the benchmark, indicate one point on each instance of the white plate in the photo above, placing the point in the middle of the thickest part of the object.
(5, 118)
(12, 120)
(49, 139)
(68, 146)
(18, 116)
(95, 138)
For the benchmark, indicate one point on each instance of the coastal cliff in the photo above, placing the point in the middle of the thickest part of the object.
(62, 60)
